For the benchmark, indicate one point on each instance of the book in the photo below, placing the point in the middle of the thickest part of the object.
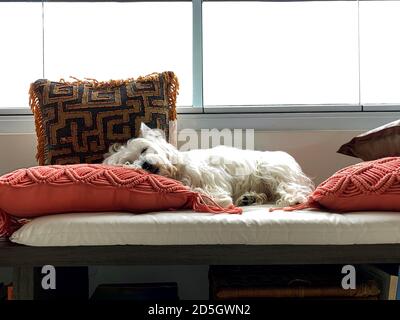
(137, 291)
(387, 277)
(398, 284)
(10, 292)
(294, 282)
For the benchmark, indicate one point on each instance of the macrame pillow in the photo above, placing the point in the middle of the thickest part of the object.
(366, 186)
(44, 190)
(77, 122)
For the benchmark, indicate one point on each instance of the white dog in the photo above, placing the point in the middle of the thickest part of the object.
(227, 175)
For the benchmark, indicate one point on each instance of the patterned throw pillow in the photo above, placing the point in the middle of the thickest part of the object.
(77, 122)
(365, 186)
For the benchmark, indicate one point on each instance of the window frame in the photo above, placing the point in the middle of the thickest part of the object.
(327, 114)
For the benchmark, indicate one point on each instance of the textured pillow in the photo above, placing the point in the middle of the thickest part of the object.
(366, 186)
(76, 122)
(377, 143)
(39, 191)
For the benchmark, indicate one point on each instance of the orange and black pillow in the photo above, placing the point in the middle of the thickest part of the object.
(76, 122)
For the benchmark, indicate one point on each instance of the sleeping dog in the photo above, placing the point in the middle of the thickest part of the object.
(227, 175)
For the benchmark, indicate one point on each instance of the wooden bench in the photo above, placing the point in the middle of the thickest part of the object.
(23, 258)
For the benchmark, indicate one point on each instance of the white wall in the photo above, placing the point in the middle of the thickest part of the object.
(314, 150)
(17, 151)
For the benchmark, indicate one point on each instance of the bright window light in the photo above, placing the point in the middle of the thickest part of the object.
(263, 53)
(380, 51)
(119, 40)
(20, 51)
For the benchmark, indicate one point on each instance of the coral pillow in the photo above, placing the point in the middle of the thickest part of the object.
(366, 186)
(38, 191)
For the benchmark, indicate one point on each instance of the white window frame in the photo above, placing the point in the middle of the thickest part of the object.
(264, 117)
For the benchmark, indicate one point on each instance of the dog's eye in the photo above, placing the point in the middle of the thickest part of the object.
(150, 167)
(143, 151)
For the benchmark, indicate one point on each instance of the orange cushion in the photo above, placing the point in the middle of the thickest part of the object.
(38, 191)
(365, 186)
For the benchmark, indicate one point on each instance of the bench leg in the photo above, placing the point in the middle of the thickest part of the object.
(23, 283)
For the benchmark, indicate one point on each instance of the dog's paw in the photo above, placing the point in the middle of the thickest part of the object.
(246, 200)
(224, 202)
(251, 198)
(287, 201)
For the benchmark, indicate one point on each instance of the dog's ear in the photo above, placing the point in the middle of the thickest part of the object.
(147, 132)
(114, 148)
(144, 130)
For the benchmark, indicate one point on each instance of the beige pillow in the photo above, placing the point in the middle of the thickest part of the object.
(377, 143)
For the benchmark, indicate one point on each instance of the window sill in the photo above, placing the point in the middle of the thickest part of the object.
(20, 123)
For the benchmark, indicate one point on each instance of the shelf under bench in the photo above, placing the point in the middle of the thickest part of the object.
(23, 258)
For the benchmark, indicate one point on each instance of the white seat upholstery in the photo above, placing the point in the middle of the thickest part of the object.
(256, 226)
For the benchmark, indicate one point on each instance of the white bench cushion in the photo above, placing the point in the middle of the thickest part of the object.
(256, 226)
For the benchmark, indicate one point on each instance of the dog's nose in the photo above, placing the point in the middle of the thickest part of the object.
(150, 167)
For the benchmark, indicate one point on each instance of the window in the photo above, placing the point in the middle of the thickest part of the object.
(266, 53)
(102, 40)
(119, 40)
(237, 56)
(20, 51)
(380, 52)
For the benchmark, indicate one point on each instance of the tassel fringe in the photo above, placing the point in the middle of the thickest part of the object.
(202, 203)
(9, 224)
(95, 84)
(34, 103)
(311, 203)
(173, 91)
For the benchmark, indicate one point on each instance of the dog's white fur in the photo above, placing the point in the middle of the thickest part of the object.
(227, 175)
